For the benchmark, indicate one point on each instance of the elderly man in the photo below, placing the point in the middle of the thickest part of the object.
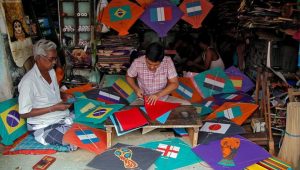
(156, 76)
(40, 99)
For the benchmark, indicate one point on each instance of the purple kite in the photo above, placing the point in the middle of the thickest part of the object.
(161, 16)
(234, 153)
(239, 79)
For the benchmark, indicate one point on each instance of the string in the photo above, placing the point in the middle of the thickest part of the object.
(88, 138)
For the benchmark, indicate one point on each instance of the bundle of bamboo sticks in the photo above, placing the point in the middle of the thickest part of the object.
(290, 149)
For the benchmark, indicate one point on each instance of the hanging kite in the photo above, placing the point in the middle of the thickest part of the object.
(218, 128)
(161, 16)
(12, 125)
(91, 139)
(234, 153)
(195, 11)
(144, 3)
(236, 112)
(186, 90)
(122, 156)
(240, 81)
(213, 81)
(174, 153)
(159, 108)
(120, 15)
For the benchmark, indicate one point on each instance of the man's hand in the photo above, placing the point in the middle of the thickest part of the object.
(65, 96)
(152, 99)
(139, 93)
(59, 107)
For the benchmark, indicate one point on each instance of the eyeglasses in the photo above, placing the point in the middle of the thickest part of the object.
(51, 59)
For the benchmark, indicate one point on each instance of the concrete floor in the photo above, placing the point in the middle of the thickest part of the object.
(77, 160)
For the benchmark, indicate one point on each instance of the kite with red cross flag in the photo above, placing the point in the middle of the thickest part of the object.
(174, 153)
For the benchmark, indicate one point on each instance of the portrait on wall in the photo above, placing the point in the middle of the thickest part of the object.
(18, 30)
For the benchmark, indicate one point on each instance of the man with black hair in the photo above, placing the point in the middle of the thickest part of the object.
(156, 76)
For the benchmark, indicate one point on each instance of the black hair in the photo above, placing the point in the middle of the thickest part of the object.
(204, 38)
(155, 52)
(13, 38)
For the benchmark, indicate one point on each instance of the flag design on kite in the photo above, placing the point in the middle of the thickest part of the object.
(230, 113)
(109, 98)
(120, 13)
(168, 150)
(237, 81)
(214, 82)
(193, 8)
(160, 14)
(122, 88)
(87, 136)
(125, 155)
(184, 91)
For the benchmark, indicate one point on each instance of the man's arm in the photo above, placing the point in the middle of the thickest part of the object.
(134, 86)
(171, 86)
(41, 111)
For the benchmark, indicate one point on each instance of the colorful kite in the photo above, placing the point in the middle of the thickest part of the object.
(161, 16)
(109, 95)
(240, 81)
(186, 90)
(118, 127)
(123, 88)
(162, 119)
(271, 163)
(99, 114)
(131, 118)
(202, 109)
(195, 11)
(82, 106)
(120, 15)
(91, 139)
(232, 97)
(213, 81)
(174, 153)
(236, 112)
(234, 153)
(159, 108)
(81, 89)
(12, 125)
(121, 156)
(144, 3)
(217, 129)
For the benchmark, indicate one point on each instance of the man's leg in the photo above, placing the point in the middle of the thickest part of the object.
(173, 99)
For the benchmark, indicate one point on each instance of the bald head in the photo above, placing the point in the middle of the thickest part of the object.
(41, 47)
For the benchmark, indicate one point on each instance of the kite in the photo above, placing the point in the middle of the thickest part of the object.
(217, 129)
(120, 15)
(234, 153)
(91, 139)
(213, 81)
(186, 90)
(240, 81)
(161, 16)
(237, 112)
(12, 125)
(159, 108)
(174, 153)
(195, 11)
(121, 156)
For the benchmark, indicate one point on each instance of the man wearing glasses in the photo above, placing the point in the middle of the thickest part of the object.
(40, 99)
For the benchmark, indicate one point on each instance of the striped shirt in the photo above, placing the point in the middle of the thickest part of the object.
(152, 82)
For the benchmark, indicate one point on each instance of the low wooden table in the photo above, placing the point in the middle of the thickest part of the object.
(181, 117)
